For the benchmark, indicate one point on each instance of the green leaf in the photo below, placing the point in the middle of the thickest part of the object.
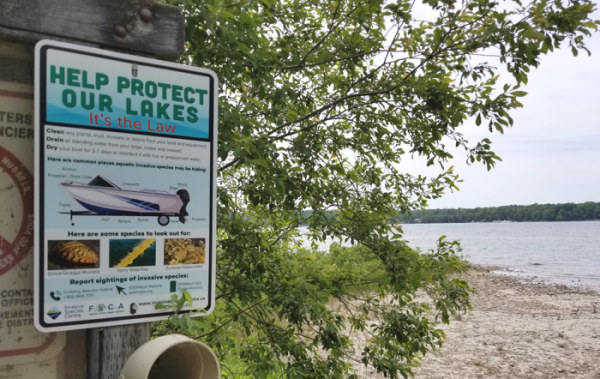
(188, 297)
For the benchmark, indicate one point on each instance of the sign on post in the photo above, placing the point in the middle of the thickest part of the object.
(20, 342)
(125, 187)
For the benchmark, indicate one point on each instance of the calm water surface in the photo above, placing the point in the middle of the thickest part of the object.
(559, 252)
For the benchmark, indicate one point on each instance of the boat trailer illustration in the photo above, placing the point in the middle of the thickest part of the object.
(101, 197)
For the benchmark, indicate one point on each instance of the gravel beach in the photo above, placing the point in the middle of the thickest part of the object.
(520, 329)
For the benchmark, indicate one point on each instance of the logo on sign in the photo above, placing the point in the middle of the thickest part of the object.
(106, 308)
(53, 313)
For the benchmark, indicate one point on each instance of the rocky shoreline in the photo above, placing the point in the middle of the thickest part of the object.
(520, 329)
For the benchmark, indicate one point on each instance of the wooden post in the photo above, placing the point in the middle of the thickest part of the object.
(141, 27)
(109, 348)
(135, 26)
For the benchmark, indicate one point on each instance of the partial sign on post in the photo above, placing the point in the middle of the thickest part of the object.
(20, 342)
(125, 187)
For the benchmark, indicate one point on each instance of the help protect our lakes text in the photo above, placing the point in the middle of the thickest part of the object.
(144, 98)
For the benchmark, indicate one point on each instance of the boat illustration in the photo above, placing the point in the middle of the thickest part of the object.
(104, 198)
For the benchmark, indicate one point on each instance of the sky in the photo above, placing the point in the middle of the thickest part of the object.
(552, 153)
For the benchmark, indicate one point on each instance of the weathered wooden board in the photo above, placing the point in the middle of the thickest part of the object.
(141, 26)
(109, 348)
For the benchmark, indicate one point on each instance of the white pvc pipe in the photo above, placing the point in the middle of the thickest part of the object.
(172, 356)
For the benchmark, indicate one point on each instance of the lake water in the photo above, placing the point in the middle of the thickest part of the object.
(557, 252)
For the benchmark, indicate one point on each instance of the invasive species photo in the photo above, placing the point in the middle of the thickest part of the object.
(181, 251)
(71, 254)
(132, 252)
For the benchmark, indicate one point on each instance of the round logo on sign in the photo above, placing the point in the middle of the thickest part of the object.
(13, 250)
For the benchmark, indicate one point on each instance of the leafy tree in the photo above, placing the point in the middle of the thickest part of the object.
(321, 103)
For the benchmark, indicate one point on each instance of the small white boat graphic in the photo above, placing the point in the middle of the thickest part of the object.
(104, 198)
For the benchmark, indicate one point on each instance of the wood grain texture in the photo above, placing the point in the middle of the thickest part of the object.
(109, 348)
(95, 22)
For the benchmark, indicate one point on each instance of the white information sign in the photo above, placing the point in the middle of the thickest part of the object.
(125, 187)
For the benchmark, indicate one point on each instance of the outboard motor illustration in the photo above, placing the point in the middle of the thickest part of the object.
(101, 197)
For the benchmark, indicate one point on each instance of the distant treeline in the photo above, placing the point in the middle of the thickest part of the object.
(535, 212)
